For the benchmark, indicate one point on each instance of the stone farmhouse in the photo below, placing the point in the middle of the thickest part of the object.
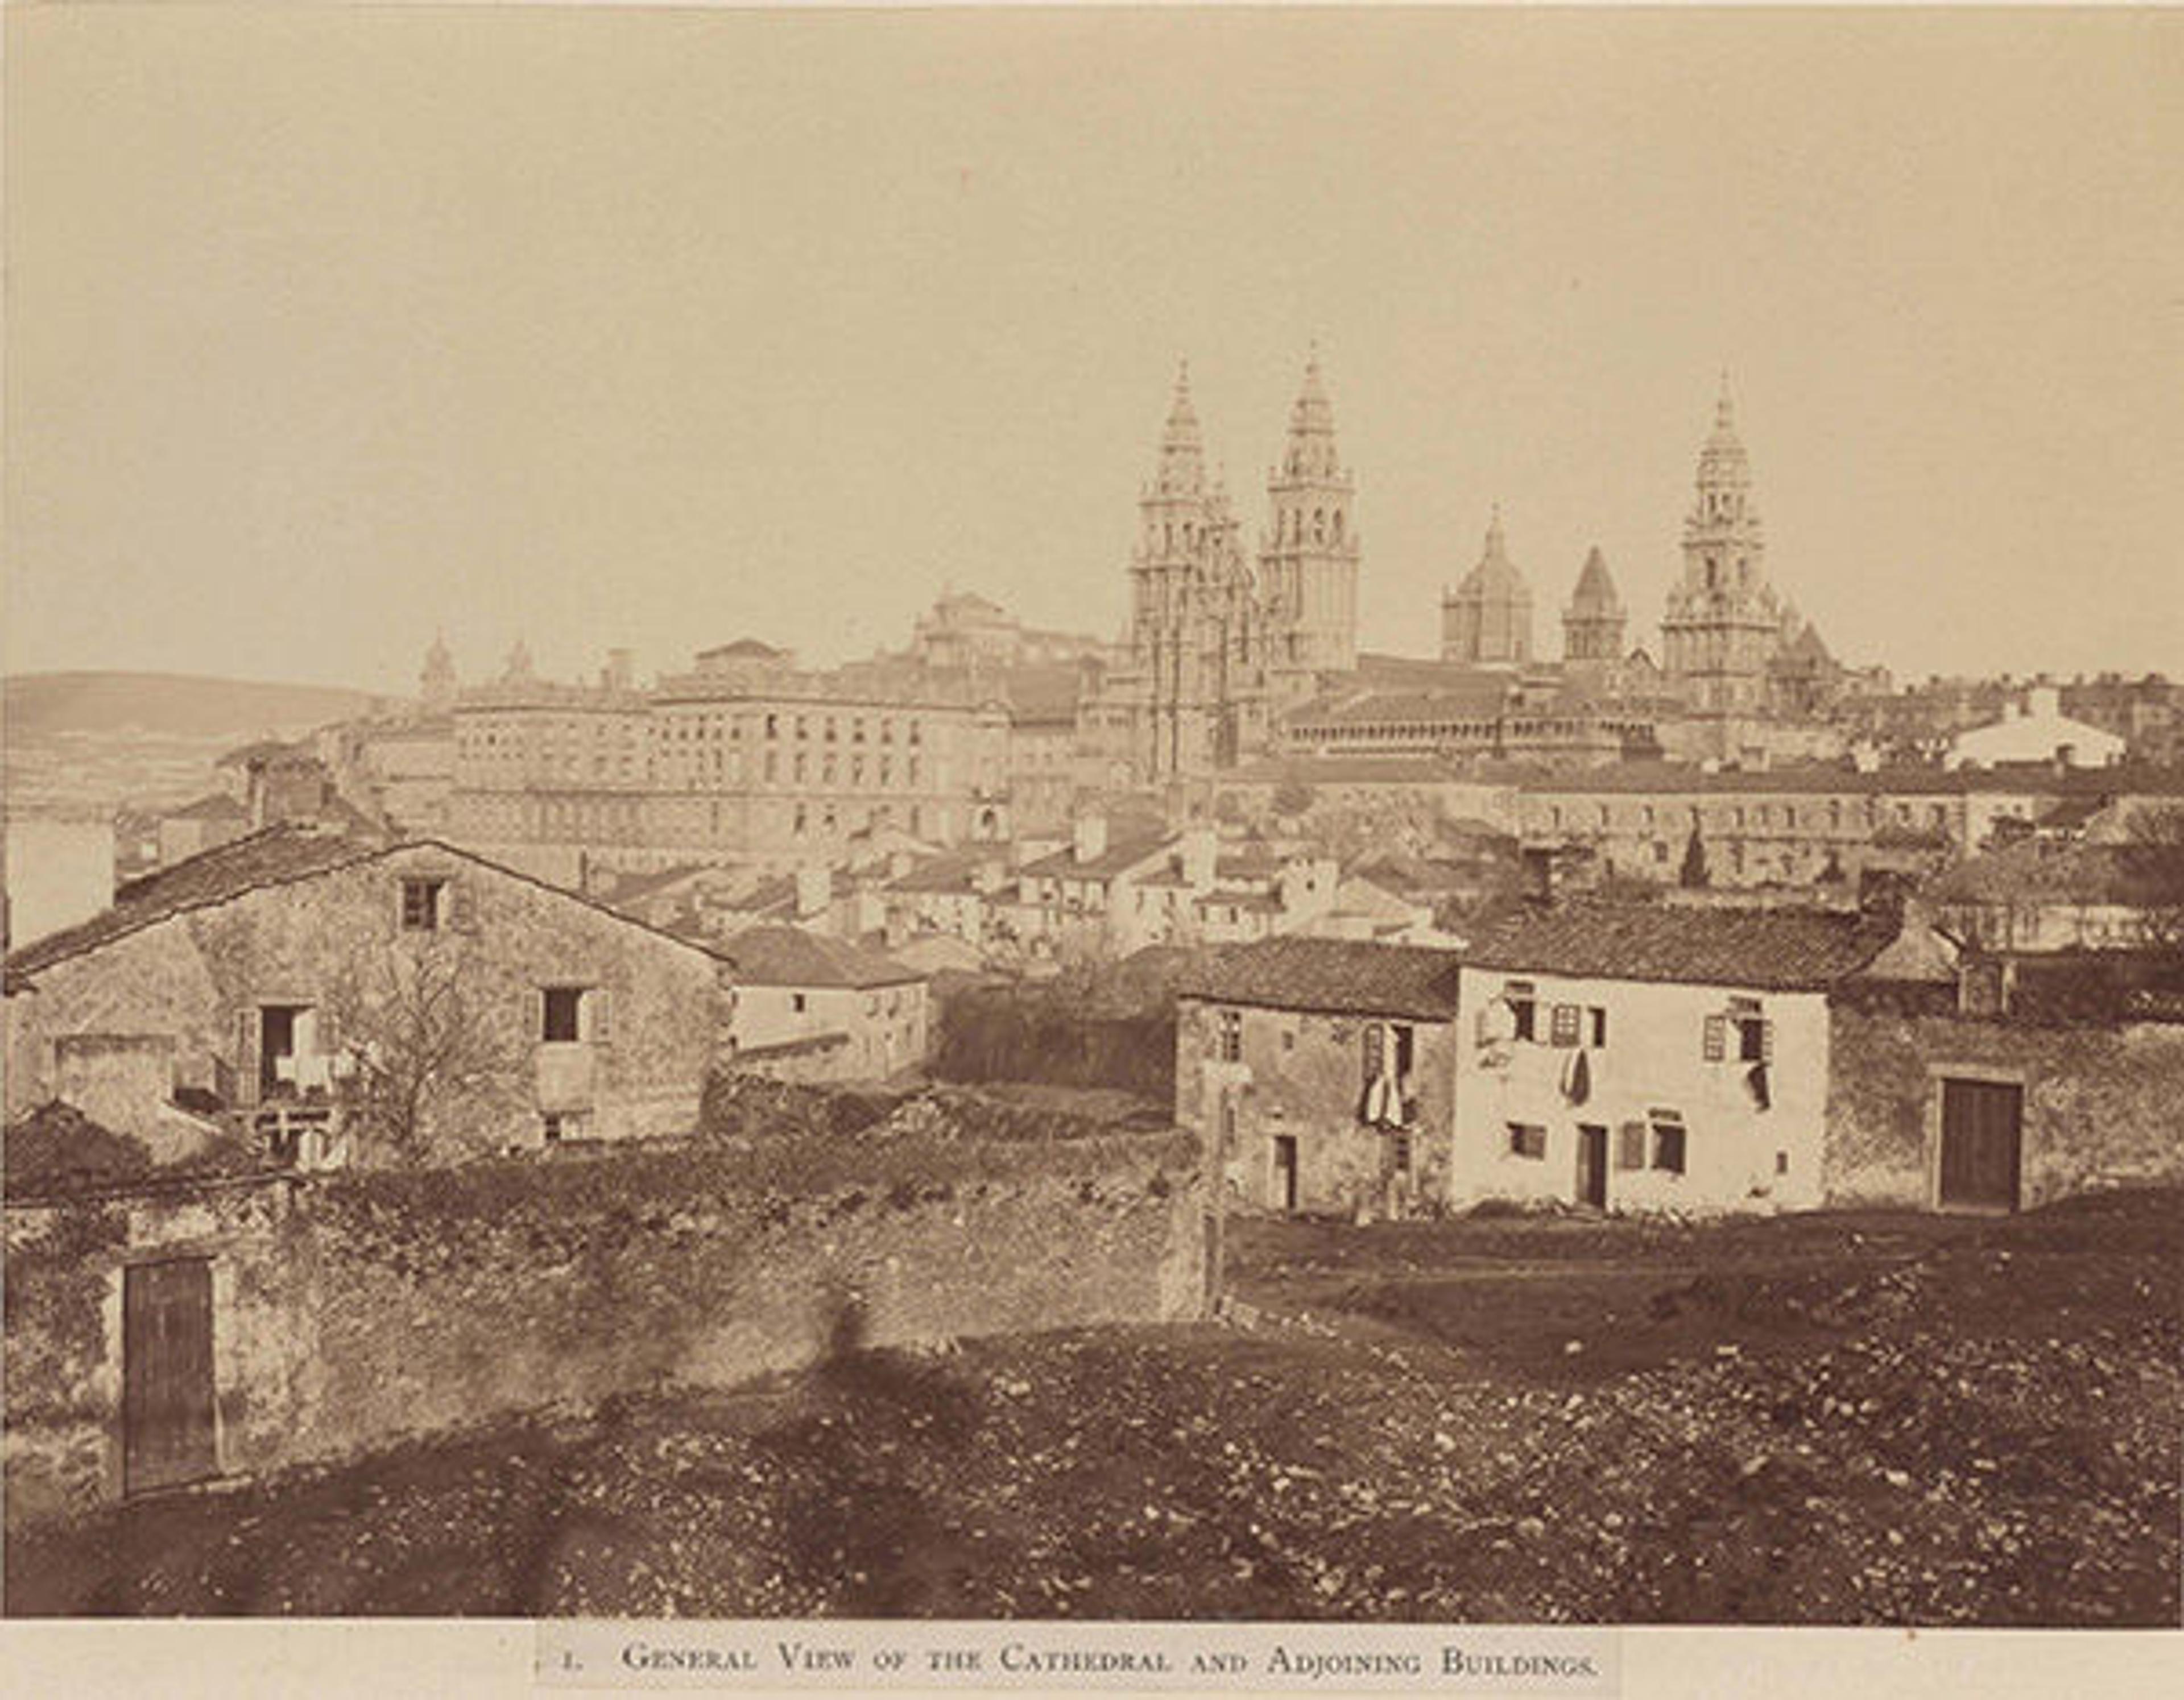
(1326, 1068)
(341, 999)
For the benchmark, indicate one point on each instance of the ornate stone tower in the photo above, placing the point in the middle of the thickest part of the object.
(1194, 688)
(437, 680)
(1308, 559)
(1487, 619)
(1592, 624)
(1724, 622)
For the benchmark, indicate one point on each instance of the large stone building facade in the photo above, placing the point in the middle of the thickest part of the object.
(745, 757)
(1215, 650)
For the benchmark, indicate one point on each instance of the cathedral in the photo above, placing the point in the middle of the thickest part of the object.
(1215, 648)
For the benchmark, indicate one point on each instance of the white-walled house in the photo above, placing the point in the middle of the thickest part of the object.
(812, 1007)
(1643, 1057)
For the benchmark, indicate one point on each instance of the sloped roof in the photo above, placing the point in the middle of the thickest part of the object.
(744, 649)
(1766, 949)
(1044, 691)
(272, 856)
(219, 806)
(789, 956)
(1330, 976)
(1595, 587)
(952, 871)
(1121, 854)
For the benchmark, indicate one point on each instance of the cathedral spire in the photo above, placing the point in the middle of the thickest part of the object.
(1183, 449)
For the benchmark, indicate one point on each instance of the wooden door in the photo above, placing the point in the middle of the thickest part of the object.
(1285, 1171)
(167, 1389)
(1593, 1167)
(1982, 1126)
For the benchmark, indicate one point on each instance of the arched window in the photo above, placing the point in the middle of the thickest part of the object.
(1337, 525)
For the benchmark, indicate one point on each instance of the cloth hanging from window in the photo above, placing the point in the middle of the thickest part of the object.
(1577, 1076)
(1756, 1083)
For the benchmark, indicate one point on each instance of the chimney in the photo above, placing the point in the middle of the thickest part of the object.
(814, 890)
(1091, 840)
(1196, 852)
(2043, 702)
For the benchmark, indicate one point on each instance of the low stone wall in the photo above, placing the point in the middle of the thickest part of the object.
(352, 1311)
(2103, 1103)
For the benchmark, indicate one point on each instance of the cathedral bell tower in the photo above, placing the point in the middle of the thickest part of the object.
(1723, 621)
(1308, 558)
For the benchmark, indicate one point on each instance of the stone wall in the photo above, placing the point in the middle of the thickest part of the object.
(354, 1310)
(2101, 1101)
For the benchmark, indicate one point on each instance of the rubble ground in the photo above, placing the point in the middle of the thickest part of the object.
(1830, 1419)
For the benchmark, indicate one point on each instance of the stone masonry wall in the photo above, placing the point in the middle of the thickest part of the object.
(354, 1310)
(2101, 1103)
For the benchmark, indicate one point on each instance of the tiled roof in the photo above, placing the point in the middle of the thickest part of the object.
(789, 956)
(1042, 691)
(219, 806)
(275, 855)
(1344, 770)
(1822, 779)
(1121, 854)
(1767, 950)
(952, 871)
(1332, 976)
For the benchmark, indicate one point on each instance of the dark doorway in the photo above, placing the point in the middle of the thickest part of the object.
(276, 1048)
(1285, 1171)
(1982, 1125)
(1593, 1167)
(166, 1359)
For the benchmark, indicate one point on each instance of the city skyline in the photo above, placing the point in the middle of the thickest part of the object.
(589, 331)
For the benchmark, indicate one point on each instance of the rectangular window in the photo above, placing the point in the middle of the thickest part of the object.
(1755, 1039)
(421, 904)
(1524, 1007)
(1526, 1141)
(1565, 1031)
(1668, 1146)
(1716, 1038)
(1596, 1020)
(562, 1015)
(1228, 1037)
(798, 1002)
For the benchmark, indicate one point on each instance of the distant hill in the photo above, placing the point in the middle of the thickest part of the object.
(179, 705)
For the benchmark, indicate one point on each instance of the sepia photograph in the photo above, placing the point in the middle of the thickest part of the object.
(1259, 848)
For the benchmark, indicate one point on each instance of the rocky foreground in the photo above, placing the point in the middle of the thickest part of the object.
(1824, 1419)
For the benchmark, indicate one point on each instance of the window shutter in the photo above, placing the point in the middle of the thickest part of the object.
(1766, 1041)
(1564, 1030)
(1370, 1051)
(1717, 1037)
(329, 1033)
(535, 1001)
(462, 911)
(246, 1055)
(1631, 1146)
(599, 1004)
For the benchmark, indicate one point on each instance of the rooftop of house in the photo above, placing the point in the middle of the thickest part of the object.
(789, 956)
(1329, 976)
(1124, 852)
(1344, 770)
(951, 873)
(1774, 949)
(1042, 693)
(219, 806)
(272, 856)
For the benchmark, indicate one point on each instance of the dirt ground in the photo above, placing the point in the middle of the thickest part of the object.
(1829, 1419)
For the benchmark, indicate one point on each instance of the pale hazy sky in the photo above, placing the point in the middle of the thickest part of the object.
(654, 328)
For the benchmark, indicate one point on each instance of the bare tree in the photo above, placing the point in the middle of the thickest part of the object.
(2152, 858)
(418, 1044)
